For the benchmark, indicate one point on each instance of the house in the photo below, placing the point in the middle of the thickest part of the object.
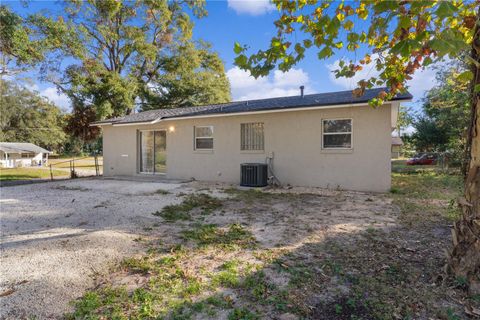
(18, 154)
(332, 140)
(397, 144)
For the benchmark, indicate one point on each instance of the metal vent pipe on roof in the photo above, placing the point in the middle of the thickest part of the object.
(301, 90)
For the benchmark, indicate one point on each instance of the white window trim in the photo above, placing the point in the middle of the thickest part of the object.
(195, 137)
(335, 133)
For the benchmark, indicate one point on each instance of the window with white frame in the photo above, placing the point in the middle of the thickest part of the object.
(203, 138)
(251, 136)
(337, 134)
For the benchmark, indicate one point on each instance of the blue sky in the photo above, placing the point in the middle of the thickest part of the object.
(249, 22)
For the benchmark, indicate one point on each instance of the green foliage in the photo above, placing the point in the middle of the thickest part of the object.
(446, 113)
(398, 38)
(428, 136)
(78, 123)
(405, 119)
(128, 52)
(193, 75)
(16, 46)
(25, 116)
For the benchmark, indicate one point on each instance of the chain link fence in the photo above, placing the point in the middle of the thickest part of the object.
(88, 166)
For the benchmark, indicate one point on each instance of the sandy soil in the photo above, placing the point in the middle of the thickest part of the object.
(57, 236)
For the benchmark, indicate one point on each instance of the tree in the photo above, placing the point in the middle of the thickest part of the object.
(77, 125)
(428, 136)
(449, 103)
(405, 119)
(28, 117)
(17, 51)
(446, 110)
(118, 51)
(399, 37)
(192, 76)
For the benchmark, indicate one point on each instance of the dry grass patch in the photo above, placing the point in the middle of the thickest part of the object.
(201, 202)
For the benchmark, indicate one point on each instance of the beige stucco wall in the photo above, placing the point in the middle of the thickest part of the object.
(293, 137)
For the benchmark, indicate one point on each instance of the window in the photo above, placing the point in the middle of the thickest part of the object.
(337, 134)
(251, 136)
(204, 138)
(28, 155)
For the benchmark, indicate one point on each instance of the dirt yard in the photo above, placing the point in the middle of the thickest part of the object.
(55, 236)
(141, 250)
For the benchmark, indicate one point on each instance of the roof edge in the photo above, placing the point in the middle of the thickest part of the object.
(206, 113)
(273, 110)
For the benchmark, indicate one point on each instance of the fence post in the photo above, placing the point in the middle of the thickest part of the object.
(73, 167)
(95, 163)
(51, 173)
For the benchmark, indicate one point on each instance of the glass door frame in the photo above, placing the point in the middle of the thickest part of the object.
(140, 151)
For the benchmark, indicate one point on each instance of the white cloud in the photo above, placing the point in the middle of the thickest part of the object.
(246, 87)
(252, 7)
(57, 98)
(422, 80)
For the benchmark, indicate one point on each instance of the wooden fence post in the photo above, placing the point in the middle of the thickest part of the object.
(73, 168)
(51, 173)
(95, 163)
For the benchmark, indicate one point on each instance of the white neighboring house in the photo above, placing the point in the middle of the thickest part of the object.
(18, 154)
(397, 144)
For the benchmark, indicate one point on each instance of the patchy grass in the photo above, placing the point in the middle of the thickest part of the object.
(254, 195)
(242, 314)
(210, 234)
(202, 202)
(157, 192)
(424, 197)
(168, 292)
(211, 271)
(9, 174)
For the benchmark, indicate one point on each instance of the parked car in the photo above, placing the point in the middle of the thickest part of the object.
(422, 159)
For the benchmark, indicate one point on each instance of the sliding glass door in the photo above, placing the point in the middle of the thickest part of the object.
(153, 155)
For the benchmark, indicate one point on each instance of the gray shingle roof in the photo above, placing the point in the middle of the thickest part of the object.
(21, 147)
(281, 103)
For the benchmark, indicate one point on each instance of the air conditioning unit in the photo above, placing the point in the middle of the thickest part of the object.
(253, 174)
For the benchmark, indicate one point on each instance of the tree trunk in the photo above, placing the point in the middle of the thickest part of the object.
(465, 254)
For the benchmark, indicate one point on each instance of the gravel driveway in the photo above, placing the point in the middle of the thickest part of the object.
(55, 236)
